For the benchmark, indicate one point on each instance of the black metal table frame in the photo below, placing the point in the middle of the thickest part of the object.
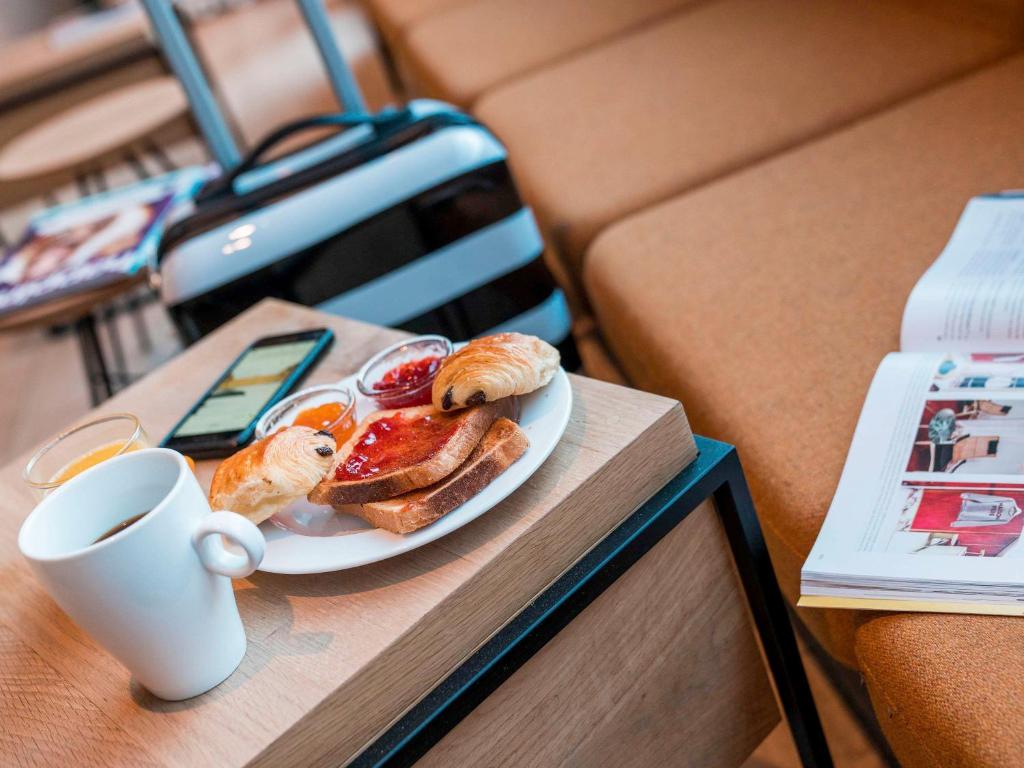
(715, 474)
(105, 379)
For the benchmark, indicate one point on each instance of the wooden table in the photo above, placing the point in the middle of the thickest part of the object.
(36, 64)
(77, 140)
(78, 309)
(86, 132)
(593, 617)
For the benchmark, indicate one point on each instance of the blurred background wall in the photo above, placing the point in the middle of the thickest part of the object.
(21, 16)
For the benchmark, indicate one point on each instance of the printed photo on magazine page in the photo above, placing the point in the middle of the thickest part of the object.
(958, 520)
(984, 437)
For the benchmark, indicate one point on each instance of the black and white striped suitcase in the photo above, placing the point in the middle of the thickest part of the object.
(408, 218)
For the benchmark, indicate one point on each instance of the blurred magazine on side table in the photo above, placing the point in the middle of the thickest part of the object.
(91, 242)
(77, 257)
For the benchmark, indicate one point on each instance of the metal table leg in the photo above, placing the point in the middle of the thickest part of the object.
(137, 165)
(136, 306)
(162, 158)
(96, 372)
(739, 518)
(716, 473)
(119, 375)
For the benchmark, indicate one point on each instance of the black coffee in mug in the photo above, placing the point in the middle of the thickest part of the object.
(121, 526)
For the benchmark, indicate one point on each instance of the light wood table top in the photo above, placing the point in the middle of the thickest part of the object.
(66, 309)
(39, 60)
(93, 129)
(333, 659)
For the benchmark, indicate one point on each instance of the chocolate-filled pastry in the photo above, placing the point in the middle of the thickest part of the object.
(264, 477)
(493, 367)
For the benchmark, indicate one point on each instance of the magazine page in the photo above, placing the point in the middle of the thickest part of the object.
(931, 498)
(972, 298)
(94, 241)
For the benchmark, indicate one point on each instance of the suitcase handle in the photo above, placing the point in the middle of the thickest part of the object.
(379, 122)
(183, 61)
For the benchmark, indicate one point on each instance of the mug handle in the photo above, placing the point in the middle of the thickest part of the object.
(242, 532)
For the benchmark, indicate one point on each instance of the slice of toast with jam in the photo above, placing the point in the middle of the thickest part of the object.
(402, 450)
(499, 449)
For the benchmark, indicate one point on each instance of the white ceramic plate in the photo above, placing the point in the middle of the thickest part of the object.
(333, 541)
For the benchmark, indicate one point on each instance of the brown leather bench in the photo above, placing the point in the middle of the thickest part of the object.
(395, 16)
(712, 89)
(819, 184)
(464, 50)
(765, 301)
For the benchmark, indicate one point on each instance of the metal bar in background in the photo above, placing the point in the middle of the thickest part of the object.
(119, 374)
(162, 158)
(183, 61)
(138, 167)
(338, 71)
(92, 358)
(136, 307)
(715, 473)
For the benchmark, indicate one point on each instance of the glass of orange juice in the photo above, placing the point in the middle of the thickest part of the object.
(75, 450)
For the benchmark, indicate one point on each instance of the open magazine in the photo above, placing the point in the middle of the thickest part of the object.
(93, 241)
(930, 506)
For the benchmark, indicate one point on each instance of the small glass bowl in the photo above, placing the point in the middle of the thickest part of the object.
(300, 516)
(85, 445)
(414, 393)
(285, 412)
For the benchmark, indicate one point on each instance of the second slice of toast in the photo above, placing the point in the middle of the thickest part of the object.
(503, 444)
(394, 452)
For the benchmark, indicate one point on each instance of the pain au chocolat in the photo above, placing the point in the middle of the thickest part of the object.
(267, 475)
(492, 368)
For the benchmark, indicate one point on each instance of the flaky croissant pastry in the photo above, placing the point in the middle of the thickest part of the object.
(264, 477)
(493, 367)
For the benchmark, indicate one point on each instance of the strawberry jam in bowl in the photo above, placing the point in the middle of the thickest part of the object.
(402, 375)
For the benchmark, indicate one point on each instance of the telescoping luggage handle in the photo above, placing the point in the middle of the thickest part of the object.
(385, 122)
(225, 184)
(208, 115)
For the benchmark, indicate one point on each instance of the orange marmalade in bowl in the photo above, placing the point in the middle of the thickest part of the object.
(326, 408)
(336, 418)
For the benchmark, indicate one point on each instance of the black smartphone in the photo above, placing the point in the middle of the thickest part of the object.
(225, 417)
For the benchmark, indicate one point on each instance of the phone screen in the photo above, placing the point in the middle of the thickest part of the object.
(246, 388)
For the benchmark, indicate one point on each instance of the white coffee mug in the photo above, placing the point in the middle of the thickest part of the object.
(156, 594)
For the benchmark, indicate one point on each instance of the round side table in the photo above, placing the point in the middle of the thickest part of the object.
(78, 140)
(77, 309)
